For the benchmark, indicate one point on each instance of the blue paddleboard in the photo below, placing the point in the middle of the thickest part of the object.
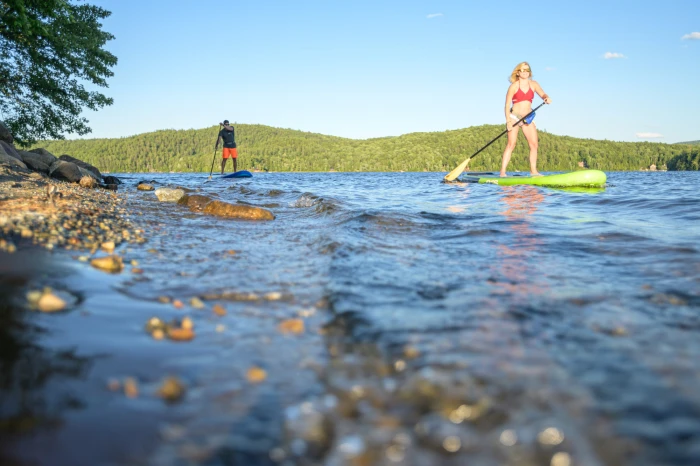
(239, 174)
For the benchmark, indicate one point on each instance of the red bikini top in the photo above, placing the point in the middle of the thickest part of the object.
(521, 96)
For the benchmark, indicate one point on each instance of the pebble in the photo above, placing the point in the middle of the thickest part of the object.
(111, 264)
(256, 375)
(171, 389)
(49, 302)
(180, 334)
(295, 326)
(108, 246)
(131, 387)
(196, 303)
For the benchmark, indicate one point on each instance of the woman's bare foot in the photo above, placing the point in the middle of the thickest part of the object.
(502, 175)
(536, 174)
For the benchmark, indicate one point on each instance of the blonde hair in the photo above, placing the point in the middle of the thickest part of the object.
(516, 70)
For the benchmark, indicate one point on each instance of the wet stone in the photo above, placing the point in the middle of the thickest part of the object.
(171, 389)
(169, 194)
(112, 264)
(245, 212)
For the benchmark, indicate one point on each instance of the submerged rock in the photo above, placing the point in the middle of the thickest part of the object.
(169, 194)
(195, 202)
(109, 179)
(145, 187)
(224, 209)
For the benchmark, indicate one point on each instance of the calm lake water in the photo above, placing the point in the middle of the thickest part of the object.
(445, 324)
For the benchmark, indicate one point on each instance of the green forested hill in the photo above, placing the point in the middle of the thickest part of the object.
(275, 149)
(688, 160)
(691, 142)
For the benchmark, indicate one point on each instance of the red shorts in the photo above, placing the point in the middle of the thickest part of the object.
(230, 152)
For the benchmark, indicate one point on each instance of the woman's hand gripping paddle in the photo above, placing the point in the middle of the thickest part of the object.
(462, 166)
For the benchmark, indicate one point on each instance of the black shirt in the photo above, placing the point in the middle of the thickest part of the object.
(228, 137)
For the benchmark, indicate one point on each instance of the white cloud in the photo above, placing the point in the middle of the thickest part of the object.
(649, 135)
(550, 68)
(434, 15)
(609, 55)
(691, 36)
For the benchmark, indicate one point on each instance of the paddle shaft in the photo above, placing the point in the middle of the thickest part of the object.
(458, 171)
(506, 130)
(216, 148)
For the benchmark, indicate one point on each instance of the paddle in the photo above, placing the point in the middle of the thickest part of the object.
(462, 166)
(216, 148)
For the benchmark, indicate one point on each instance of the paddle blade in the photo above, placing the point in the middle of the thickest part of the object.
(457, 171)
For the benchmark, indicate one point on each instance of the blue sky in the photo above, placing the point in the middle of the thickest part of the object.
(376, 68)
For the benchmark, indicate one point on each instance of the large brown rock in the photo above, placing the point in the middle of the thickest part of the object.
(5, 134)
(47, 157)
(82, 164)
(224, 209)
(10, 150)
(65, 171)
(195, 202)
(34, 161)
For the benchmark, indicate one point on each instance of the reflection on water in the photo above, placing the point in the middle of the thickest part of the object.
(517, 259)
(442, 324)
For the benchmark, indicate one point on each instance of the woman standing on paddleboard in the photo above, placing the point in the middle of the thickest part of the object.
(518, 104)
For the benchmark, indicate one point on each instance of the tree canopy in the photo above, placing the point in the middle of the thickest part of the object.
(49, 50)
(277, 149)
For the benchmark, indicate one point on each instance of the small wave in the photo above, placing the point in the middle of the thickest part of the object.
(321, 205)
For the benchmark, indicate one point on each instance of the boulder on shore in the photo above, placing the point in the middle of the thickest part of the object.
(35, 161)
(224, 209)
(10, 150)
(65, 171)
(11, 161)
(82, 164)
(47, 157)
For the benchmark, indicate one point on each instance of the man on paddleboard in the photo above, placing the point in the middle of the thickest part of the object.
(227, 135)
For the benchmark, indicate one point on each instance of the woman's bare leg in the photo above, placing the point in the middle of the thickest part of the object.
(530, 132)
(510, 146)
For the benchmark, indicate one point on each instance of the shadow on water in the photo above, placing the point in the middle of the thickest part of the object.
(31, 398)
